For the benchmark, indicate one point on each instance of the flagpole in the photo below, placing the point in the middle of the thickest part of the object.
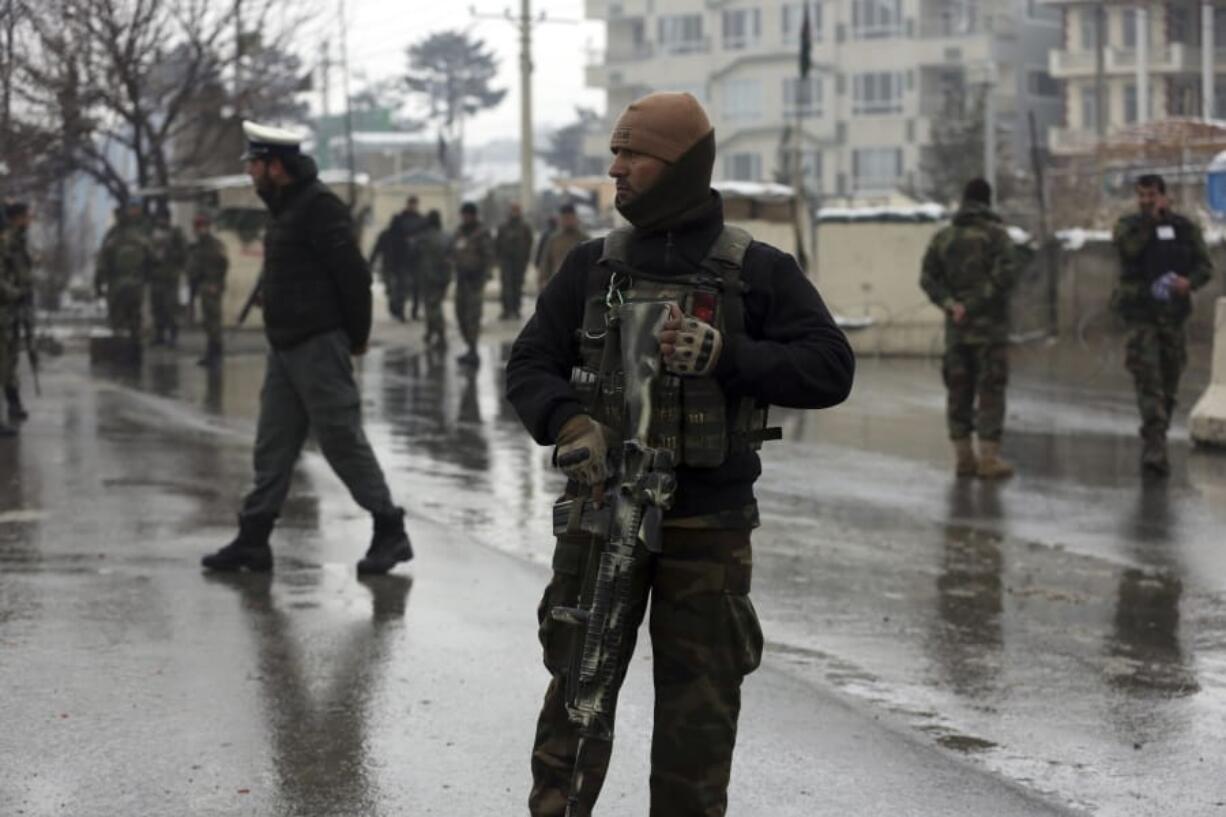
(798, 172)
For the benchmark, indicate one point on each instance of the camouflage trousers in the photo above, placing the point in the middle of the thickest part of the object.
(705, 639)
(123, 308)
(469, 304)
(976, 375)
(436, 326)
(210, 315)
(164, 302)
(1156, 356)
(512, 273)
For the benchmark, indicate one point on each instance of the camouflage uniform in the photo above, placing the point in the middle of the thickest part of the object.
(472, 254)
(19, 313)
(169, 252)
(514, 244)
(10, 298)
(972, 262)
(705, 638)
(207, 265)
(434, 272)
(122, 268)
(1156, 348)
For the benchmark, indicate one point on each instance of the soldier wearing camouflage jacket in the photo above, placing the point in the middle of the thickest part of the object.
(1163, 259)
(122, 269)
(472, 255)
(170, 255)
(969, 272)
(10, 296)
(18, 321)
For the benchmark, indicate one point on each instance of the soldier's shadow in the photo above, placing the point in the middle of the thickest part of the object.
(318, 712)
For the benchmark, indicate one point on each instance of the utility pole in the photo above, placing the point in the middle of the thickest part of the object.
(325, 72)
(238, 58)
(348, 103)
(989, 124)
(527, 152)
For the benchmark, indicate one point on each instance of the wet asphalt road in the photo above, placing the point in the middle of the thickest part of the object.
(936, 647)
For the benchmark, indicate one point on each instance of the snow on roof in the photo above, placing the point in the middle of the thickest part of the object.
(1018, 235)
(753, 190)
(385, 139)
(917, 212)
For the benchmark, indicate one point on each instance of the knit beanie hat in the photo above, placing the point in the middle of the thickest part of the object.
(673, 128)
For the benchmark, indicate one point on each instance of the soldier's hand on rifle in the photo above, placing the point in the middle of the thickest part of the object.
(958, 313)
(687, 345)
(581, 452)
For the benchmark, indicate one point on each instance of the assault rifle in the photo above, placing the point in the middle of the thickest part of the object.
(642, 488)
(252, 299)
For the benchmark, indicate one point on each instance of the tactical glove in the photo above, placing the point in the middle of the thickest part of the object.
(695, 346)
(581, 450)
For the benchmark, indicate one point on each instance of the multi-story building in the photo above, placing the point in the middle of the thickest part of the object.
(883, 71)
(1158, 60)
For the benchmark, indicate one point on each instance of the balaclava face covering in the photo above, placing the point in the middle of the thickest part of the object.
(675, 129)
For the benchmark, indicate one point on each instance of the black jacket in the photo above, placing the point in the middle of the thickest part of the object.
(791, 354)
(315, 278)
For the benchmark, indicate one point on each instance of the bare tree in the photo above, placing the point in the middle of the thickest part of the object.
(135, 91)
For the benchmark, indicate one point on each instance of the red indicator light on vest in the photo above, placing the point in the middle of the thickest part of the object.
(702, 307)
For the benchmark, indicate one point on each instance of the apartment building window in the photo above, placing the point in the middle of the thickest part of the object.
(743, 167)
(793, 17)
(1219, 29)
(1219, 97)
(742, 28)
(1130, 28)
(1180, 25)
(1130, 103)
(1038, 12)
(879, 92)
(811, 166)
(1041, 83)
(1089, 108)
(802, 97)
(1089, 28)
(876, 168)
(876, 19)
(681, 34)
(742, 100)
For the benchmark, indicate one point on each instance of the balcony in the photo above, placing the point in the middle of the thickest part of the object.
(1172, 59)
(1071, 140)
(680, 48)
(629, 52)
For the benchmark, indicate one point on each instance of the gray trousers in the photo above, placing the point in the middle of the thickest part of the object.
(311, 388)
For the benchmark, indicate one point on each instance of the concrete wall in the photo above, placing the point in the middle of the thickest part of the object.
(872, 269)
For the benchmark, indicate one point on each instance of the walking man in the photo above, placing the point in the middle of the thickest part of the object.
(472, 255)
(514, 246)
(969, 272)
(169, 255)
(20, 314)
(1163, 260)
(434, 271)
(396, 248)
(316, 300)
(10, 297)
(207, 264)
(747, 329)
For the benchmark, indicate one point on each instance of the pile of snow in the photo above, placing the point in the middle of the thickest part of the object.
(1018, 235)
(1076, 238)
(754, 190)
(904, 213)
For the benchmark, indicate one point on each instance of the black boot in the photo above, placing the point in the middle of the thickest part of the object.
(17, 411)
(212, 354)
(7, 430)
(388, 546)
(1154, 458)
(248, 550)
(469, 358)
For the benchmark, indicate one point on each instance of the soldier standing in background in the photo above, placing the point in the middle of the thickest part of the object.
(434, 271)
(169, 255)
(121, 271)
(514, 245)
(565, 238)
(207, 265)
(1163, 259)
(969, 272)
(9, 297)
(472, 254)
(21, 317)
(395, 247)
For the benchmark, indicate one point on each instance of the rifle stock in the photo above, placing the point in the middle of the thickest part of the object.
(252, 299)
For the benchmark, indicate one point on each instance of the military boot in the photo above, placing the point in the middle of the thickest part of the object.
(991, 465)
(248, 550)
(17, 411)
(965, 463)
(469, 358)
(388, 546)
(1153, 455)
(212, 354)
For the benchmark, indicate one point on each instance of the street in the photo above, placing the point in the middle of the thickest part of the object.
(1053, 645)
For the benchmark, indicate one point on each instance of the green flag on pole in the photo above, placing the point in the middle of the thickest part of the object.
(806, 43)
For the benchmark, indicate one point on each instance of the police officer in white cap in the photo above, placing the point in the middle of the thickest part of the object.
(315, 292)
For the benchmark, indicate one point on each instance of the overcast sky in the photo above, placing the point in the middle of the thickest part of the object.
(381, 30)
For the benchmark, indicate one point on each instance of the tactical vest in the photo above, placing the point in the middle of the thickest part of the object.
(691, 416)
(130, 254)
